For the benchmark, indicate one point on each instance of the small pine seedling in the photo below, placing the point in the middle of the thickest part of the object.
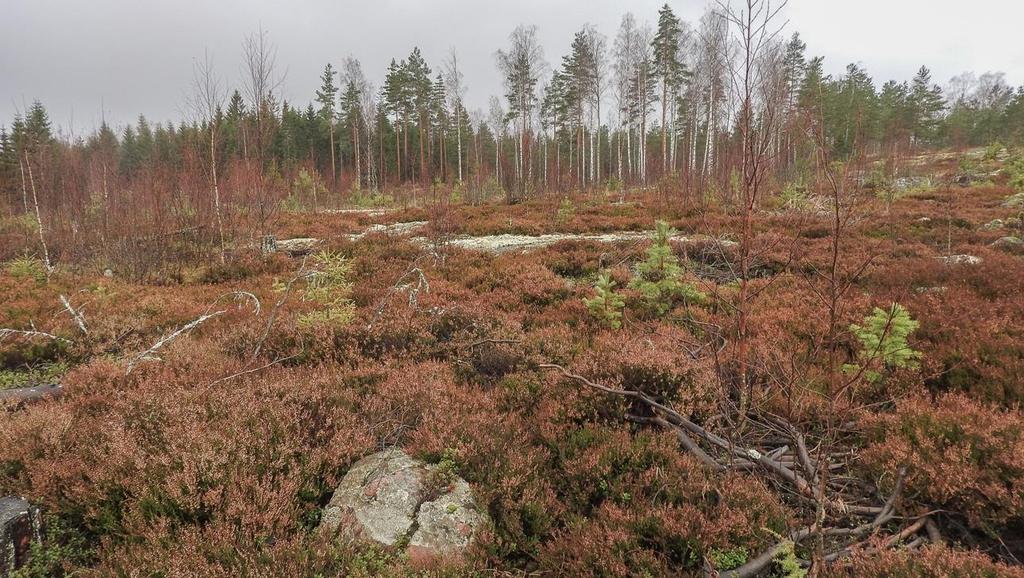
(606, 305)
(883, 340)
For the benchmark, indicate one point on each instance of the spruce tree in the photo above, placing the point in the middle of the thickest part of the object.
(927, 104)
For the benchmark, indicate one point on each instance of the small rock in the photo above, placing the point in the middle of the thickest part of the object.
(392, 229)
(297, 247)
(925, 220)
(1009, 244)
(1015, 201)
(389, 498)
(993, 225)
(447, 524)
(108, 273)
(19, 527)
(19, 397)
(960, 260)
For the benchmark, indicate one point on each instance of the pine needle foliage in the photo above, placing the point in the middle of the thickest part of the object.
(27, 267)
(659, 277)
(606, 305)
(883, 339)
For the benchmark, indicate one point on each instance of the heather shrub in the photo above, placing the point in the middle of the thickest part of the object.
(930, 560)
(642, 508)
(652, 363)
(962, 455)
(160, 459)
(573, 259)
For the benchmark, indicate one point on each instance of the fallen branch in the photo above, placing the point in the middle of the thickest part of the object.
(5, 333)
(421, 284)
(758, 564)
(253, 370)
(676, 419)
(76, 314)
(149, 354)
(300, 274)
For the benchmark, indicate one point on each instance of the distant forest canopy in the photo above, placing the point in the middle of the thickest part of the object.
(651, 105)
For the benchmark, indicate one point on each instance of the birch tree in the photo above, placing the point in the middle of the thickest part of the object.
(522, 65)
(757, 89)
(455, 83)
(207, 99)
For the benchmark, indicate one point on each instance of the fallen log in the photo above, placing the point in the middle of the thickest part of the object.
(19, 397)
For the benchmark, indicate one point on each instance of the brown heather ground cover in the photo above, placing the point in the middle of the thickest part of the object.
(213, 462)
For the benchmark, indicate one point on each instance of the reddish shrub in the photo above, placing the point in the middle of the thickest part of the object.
(961, 454)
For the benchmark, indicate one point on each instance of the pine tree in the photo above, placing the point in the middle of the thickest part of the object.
(578, 88)
(327, 97)
(883, 340)
(521, 66)
(855, 109)
(420, 89)
(893, 113)
(659, 277)
(399, 100)
(439, 120)
(352, 117)
(668, 68)
(606, 305)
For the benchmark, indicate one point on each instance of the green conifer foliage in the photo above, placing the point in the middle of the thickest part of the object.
(606, 305)
(883, 340)
(659, 277)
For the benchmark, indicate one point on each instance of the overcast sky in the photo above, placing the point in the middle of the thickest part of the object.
(135, 56)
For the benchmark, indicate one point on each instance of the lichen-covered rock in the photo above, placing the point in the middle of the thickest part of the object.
(1009, 244)
(960, 260)
(19, 526)
(297, 247)
(392, 499)
(446, 524)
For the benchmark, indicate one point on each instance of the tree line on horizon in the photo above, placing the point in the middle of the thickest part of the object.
(652, 106)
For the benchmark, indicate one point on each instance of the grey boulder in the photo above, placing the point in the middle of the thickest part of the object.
(392, 499)
(19, 527)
